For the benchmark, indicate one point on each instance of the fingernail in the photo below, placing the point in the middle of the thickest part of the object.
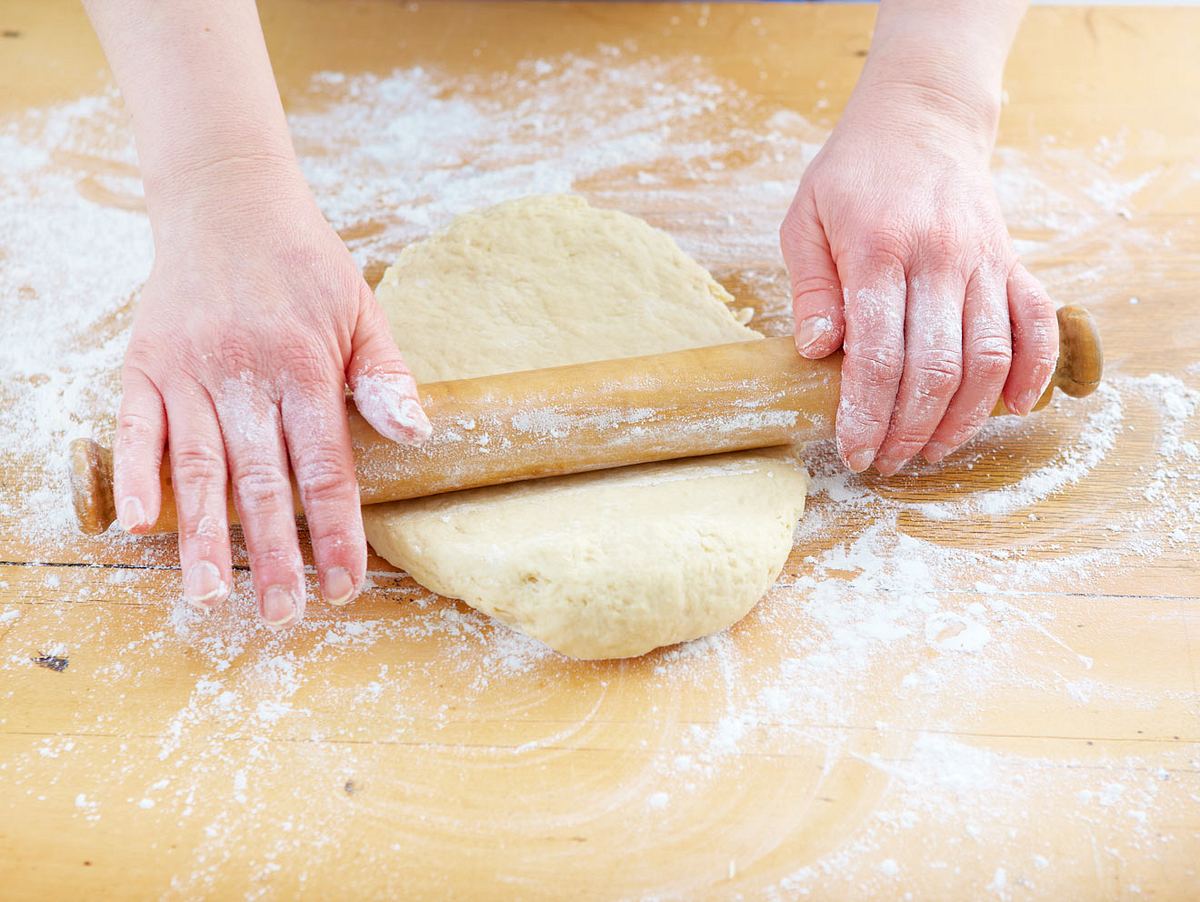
(278, 606)
(935, 451)
(888, 468)
(860, 460)
(203, 584)
(131, 514)
(1026, 400)
(388, 404)
(413, 421)
(339, 587)
(810, 330)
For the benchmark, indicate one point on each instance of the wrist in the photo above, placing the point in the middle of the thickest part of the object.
(929, 107)
(941, 64)
(232, 187)
(197, 150)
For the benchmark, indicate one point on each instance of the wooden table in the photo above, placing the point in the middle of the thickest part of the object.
(1027, 728)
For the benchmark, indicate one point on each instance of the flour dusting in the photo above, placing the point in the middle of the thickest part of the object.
(903, 620)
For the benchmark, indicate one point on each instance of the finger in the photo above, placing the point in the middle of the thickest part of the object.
(874, 344)
(1034, 341)
(385, 392)
(318, 442)
(138, 451)
(262, 492)
(932, 366)
(987, 353)
(816, 289)
(198, 480)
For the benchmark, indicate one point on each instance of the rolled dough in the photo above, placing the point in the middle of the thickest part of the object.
(599, 565)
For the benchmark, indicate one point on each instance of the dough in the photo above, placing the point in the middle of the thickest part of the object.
(598, 565)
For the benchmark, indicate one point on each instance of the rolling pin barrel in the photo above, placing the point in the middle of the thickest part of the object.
(591, 416)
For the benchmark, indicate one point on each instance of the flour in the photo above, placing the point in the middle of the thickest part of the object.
(886, 622)
(1070, 464)
(377, 398)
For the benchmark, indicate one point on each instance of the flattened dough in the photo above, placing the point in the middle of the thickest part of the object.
(598, 565)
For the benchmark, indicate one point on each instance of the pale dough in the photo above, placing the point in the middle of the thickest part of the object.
(599, 565)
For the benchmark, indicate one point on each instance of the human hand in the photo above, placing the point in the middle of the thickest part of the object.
(898, 252)
(252, 322)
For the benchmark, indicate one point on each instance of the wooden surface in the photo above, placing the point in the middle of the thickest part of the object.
(407, 747)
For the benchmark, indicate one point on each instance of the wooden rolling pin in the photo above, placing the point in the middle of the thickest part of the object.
(591, 416)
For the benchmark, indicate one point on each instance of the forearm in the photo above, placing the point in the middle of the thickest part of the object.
(944, 56)
(198, 84)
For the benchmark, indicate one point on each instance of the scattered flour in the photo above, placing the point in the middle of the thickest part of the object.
(888, 632)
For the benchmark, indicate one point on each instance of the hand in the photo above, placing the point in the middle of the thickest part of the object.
(898, 252)
(253, 320)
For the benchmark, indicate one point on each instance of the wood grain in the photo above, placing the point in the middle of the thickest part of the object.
(422, 752)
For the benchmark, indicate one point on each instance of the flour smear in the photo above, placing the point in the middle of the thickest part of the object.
(886, 620)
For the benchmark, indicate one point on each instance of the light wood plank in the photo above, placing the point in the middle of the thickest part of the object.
(407, 747)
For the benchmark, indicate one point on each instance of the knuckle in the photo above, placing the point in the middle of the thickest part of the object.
(1040, 339)
(1046, 328)
(1035, 334)
(134, 429)
(1031, 301)
(865, 422)
(903, 445)
(886, 247)
(323, 475)
(988, 358)
(993, 266)
(238, 351)
(205, 530)
(260, 486)
(307, 364)
(938, 372)
(812, 291)
(945, 237)
(1038, 311)
(1042, 305)
(858, 421)
(196, 464)
(877, 365)
(140, 354)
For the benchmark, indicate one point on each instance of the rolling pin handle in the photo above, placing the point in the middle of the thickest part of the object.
(92, 486)
(1080, 356)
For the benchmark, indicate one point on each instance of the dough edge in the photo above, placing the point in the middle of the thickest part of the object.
(654, 591)
(622, 586)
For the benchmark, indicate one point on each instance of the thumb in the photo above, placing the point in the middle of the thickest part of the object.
(385, 392)
(816, 289)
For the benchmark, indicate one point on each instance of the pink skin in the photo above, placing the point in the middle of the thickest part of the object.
(899, 254)
(252, 323)
(240, 361)
(255, 318)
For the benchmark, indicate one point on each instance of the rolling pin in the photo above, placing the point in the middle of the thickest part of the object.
(591, 416)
